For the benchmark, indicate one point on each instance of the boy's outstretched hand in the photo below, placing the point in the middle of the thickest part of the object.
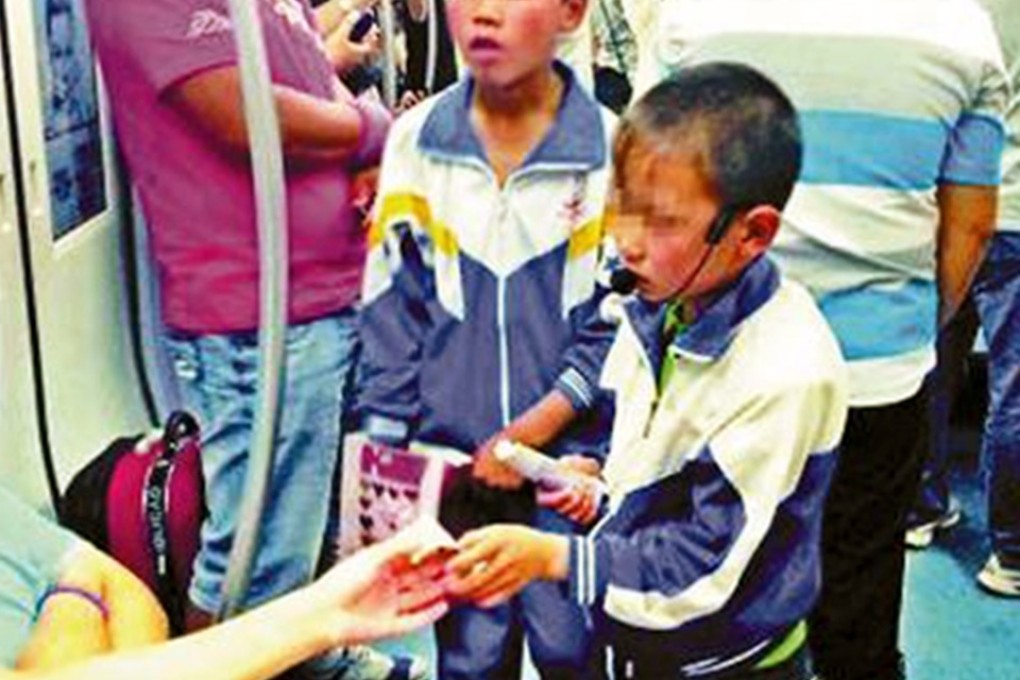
(496, 562)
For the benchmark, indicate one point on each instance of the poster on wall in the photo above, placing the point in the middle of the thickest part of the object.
(74, 151)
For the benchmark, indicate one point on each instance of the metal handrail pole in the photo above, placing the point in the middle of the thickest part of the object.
(271, 218)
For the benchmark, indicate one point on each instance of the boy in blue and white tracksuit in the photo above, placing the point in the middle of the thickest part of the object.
(472, 291)
(710, 544)
(730, 396)
(472, 294)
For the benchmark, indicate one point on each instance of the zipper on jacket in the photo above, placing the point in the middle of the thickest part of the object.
(501, 291)
(504, 352)
(655, 404)
(501, 309)
(646, 364)
(651, 417)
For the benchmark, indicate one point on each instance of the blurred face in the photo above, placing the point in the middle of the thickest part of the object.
(660, 216)
(505, 41)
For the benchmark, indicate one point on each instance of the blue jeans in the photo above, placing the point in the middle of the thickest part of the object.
(218, 376)
(955, 343)
(996, 299)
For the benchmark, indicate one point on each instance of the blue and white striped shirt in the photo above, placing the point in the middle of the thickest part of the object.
(896, 98)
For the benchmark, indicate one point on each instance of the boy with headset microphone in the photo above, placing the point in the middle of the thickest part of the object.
(730, 396)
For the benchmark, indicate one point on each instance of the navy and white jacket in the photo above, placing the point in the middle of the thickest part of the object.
(473, 291)
(709, 551)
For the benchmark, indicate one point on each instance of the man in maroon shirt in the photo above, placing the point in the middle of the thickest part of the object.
(171, 70)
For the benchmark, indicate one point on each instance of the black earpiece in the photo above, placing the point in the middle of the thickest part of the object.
(720, 224)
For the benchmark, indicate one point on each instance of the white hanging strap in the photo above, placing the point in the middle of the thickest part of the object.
(432, 49)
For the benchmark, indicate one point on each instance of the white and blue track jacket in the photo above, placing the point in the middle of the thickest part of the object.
(473, 290)
(710, 548)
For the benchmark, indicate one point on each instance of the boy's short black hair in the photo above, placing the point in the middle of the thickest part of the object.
(741, 124)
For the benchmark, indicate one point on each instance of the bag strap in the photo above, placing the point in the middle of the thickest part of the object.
(180, 427)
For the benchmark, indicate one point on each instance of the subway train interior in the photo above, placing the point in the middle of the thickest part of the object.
(82, 364)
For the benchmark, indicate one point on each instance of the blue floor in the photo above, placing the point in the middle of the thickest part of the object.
(952, 630)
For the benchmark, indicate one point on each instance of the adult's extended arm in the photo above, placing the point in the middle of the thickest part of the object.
(376, 593)
(966, 222)
(311, 128)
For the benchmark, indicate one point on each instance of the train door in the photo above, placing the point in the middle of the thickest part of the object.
(20, 453)
(71, 220)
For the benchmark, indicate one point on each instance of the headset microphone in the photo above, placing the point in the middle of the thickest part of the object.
(716, 231)
(623, 281)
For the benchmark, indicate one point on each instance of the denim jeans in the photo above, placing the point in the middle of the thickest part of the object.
(996, 299)
(218, 380)
(955, 342)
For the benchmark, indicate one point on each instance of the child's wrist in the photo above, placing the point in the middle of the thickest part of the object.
(557, 557)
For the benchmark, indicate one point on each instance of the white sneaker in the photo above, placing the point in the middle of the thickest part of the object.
(922, 535)
(999, 579)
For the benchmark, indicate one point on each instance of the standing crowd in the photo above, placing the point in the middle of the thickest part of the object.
(724, 305)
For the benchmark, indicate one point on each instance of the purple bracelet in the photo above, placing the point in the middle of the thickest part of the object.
(91, 597)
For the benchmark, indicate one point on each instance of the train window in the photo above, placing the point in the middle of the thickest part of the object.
(74, 152)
